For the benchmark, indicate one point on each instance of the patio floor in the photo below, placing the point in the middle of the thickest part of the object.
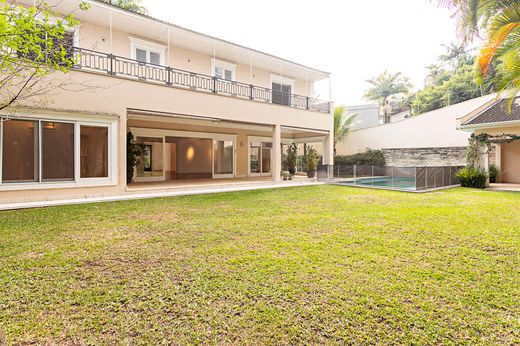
(504, 187)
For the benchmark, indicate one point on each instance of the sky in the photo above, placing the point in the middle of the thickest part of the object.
(354, 40)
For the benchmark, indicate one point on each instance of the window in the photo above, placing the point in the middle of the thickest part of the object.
(147, 52)
(94, 152)
(282, 93)
(48, 53)
(48, 151)
(57, 151)
(20, 151)
(224, 70)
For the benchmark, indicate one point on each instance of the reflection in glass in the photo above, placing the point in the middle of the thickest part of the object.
(151, 159)
(223, 151)
(94, 152)
(20, 151)
(57, 151)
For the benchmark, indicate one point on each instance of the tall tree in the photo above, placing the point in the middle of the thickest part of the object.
(500, 20)
(34, 44)
(385, 85)
(130, 5)
(342, 124)
(456, 55)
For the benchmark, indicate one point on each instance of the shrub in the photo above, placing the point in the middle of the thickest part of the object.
(291, 156)
(472, 177)
(494, 171)
(311, 161)
(368, 157)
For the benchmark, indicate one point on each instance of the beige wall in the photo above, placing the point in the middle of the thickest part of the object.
(97, 38)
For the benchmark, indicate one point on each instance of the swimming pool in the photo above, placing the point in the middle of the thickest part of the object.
(396, 178)
(385, 182)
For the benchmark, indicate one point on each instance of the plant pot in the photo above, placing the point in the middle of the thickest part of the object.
(311, 174)
(292, 170)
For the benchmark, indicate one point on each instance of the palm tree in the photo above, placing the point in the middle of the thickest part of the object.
(500, 19)
(130, 5)
(342, 124)
(386, 85)
(456, 55)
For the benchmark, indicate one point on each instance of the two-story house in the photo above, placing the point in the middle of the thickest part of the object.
(200, 108)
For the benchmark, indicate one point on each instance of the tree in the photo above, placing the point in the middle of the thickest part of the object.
(456, 55)
(342, 124)
(500, 20)
(386, 85)
(34, 45)
(130, 5)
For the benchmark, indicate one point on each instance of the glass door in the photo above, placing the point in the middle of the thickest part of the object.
(260, 157)
(223, 158)
(150, 166)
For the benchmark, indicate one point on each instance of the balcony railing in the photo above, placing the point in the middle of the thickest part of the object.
(89, 60)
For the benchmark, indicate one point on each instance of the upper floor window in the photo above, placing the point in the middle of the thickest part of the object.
(282, 90)
(224, 70)
(147, 52)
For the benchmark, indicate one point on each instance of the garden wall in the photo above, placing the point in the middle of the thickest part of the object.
(411, 157)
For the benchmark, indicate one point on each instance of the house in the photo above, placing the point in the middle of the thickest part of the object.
(498, 121)
(199, 107)
(428, 139)
(369, 115)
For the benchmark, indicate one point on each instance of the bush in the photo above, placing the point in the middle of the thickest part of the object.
(472, 177)
(368, 157)
(494, 171)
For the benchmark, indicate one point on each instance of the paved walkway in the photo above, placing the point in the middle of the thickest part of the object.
(154, 194)
(504, 187)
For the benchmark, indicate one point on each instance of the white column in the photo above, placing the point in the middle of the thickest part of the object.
(498, 158)
(328, 142)
(277, 152)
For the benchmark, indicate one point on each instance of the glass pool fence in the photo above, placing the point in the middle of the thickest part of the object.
(400, 178)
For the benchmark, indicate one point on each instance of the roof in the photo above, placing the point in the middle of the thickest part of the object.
(498, 112)
(147, 16)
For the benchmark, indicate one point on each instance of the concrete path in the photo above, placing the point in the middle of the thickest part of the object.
(155, 194)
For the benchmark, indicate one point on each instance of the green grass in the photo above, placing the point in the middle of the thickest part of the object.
(321, 264)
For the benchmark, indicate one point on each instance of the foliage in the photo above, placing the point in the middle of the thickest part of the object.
(447, 87)
(342, 124)
(129, 5)
(311, 159)
(500, 20)
(291, 157)
(133, 151)
(494, 171)
(369, 157)
(473, 151)
(386, 85)
(472, 177)
(33, 46)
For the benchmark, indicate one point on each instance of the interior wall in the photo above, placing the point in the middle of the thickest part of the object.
(194, 156)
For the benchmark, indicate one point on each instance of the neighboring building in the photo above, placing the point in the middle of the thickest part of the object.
(497, 120)
(201, 107)
(429, 139)
(367, 115)
(370, 115)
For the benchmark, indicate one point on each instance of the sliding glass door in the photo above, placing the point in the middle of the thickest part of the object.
(260, 157)
(223, 158)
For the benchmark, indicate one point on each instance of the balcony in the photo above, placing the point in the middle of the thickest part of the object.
(92, 61)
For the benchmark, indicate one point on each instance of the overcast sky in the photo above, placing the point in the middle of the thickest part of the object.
(354, 40)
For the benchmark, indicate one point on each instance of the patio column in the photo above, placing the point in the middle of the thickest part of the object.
(277, 152)
(328, 142)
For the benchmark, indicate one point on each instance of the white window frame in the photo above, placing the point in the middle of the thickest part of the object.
(148, 47)
(78, 182)
(262, 140)
(225, 66)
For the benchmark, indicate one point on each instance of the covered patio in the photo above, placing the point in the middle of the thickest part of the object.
(180, 151)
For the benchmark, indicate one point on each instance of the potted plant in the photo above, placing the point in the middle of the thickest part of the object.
(311, 161)
(133, 151)
(292, 152)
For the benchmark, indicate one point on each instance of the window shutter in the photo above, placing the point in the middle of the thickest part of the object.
(228, 75)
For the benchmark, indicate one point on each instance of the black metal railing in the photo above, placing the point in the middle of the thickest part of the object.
(93, 61)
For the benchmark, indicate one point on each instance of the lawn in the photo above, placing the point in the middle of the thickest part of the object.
(319, 264)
